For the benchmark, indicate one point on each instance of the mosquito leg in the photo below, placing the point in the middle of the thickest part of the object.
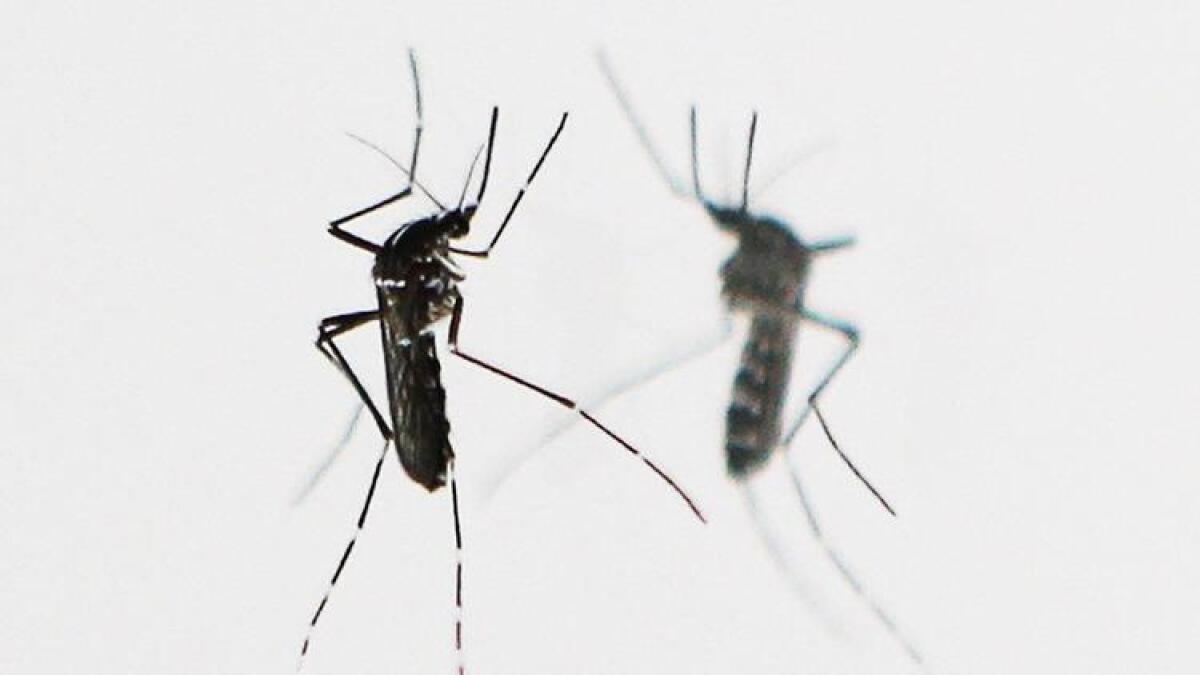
(851, 334)
(787, 566)
(420, 125)
(455, 324)
(661, 367)
(331, 327)
(639, 129)
(520, 194)
(848, 576)
(335, 227)
(362, 518)
(828, 245)
(458, 575)
(695, 159)
(319, 472)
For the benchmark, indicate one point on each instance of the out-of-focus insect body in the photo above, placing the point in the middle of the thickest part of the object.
(765, 280)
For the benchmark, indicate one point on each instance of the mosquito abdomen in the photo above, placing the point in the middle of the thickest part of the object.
(752, 422)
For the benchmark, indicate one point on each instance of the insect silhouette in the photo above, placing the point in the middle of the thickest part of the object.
(416, 286)
(764, 280)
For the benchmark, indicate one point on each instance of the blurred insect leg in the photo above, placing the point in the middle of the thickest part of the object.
(455, 324)
(834, 244)
(330, 328)
(848, 331)
(330, 458)
(790, 571)
(362, 519)
(639, 129)
(848, 576)
(661, 367)
(695, 158)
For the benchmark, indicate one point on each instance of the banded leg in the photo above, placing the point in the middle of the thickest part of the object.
(458, 574)
(337, 572)
(848, 331)
(487, 163)
(661, 367)
(455, 324)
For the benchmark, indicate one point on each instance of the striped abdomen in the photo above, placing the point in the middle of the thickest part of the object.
(752, 423)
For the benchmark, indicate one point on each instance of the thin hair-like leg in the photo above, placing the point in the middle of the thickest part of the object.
(639, 129)
(695, 158)
(520, 194)
(660, 368)
(362, 518)
(458, 574)
(335, 227)
(455, 324)
(848, 331)
(799, 584)
(317, 474)
(847, 575)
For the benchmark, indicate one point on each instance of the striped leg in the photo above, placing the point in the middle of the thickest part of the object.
(458, 575)
(362, 519)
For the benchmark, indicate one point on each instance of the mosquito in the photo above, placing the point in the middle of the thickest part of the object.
(416, 286)
(764, 281)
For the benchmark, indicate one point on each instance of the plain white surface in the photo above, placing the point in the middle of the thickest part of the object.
(1022, 178)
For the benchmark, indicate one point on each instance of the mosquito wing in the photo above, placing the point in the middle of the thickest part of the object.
(416, 398)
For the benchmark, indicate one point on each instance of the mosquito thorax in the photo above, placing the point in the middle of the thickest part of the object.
(769, 269)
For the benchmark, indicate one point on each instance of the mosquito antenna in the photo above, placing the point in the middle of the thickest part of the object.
(790, 165)
(362, 518)
(562, 122)
(749, 156)
(470, 172)
(396, 164)
(638, 129)
(487, 157)
(850, 464)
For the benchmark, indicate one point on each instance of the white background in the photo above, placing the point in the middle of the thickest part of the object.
(1022, 178)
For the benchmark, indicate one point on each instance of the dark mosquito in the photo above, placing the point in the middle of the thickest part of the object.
(416, 286)
(765, 281)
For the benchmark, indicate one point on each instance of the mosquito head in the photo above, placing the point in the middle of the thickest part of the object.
(456, 223)
(728, 218)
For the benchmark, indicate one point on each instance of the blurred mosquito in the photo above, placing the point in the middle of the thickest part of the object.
(764, 280)
(416, 286)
